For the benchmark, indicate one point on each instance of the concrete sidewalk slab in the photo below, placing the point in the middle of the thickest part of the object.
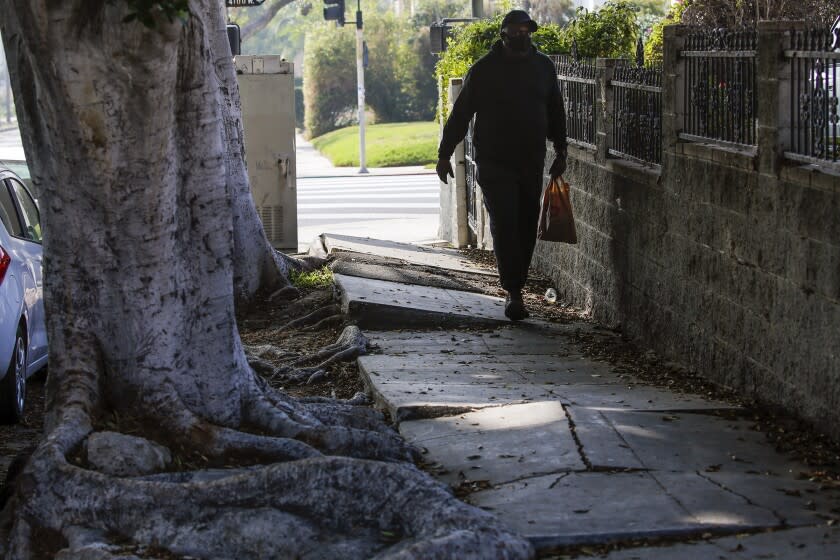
(600, 444)
(811, 543)
(797, 502)
(381, 304)
(498, 445)
(437, 257)
(675, 441)
(595, 507)
(626, 397)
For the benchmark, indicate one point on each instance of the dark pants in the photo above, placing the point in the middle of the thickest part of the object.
(512, 198)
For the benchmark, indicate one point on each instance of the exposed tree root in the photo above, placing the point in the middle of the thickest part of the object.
(350, 344)
(331, 321)
(307, 302)
(286, 292)
(312, 508)
(313, 318)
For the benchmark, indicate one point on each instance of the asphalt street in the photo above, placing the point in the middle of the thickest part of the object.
(400, 204)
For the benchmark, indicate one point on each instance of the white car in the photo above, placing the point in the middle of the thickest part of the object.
(23, 334)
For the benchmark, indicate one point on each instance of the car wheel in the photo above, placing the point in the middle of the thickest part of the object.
(13, 385)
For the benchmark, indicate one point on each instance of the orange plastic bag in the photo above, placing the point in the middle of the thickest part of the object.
(556, 220)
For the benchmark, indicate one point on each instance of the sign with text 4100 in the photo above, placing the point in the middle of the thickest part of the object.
(243, 3)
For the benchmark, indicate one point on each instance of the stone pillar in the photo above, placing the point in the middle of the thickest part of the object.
(604, 68)
(773, 79)
(673, 88)
(454, 201)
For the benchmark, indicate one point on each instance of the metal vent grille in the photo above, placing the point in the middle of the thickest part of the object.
(272, 219)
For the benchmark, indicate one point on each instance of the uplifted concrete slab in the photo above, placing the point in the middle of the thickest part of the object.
(595, 507)
(381, 304)
(409, 400)
(812, 543)
(499, 444)
(539, 370)
(401, 274)
(418, 254)
(505, 340)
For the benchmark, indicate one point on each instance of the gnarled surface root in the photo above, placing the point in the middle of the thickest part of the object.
(350, 345)
(326, 507)
(313, 318)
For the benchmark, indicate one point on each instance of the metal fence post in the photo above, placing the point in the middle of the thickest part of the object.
(673, 87)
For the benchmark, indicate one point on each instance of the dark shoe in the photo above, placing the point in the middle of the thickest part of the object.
(515, 308)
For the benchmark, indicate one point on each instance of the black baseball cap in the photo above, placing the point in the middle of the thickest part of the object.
(519, 16)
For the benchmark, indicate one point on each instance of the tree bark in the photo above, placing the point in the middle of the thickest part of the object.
(135, 149)
(256, 264)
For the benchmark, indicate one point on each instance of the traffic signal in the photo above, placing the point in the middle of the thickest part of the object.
(334, 11)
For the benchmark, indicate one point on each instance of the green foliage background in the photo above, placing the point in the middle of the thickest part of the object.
(399, 80)
(608, 32)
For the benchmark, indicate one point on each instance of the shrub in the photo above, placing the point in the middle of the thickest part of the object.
(316, 279)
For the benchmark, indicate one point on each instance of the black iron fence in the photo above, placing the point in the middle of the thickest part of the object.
(814, 118)
(637, 112)
(576, 77)
(720, 85)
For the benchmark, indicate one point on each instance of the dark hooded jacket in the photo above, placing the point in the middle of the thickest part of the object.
(517, 106)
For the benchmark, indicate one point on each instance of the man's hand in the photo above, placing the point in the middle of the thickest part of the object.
(558, 166)
(444, 169)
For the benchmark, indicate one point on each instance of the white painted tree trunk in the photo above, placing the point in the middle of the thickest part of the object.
(135, 150)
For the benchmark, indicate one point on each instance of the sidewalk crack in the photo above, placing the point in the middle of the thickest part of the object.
(559, 478)
(578, 443)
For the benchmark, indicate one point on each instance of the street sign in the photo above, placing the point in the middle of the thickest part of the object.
(243, 3)
(835, 34)
(334, 11)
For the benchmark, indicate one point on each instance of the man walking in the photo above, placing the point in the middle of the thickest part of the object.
(514, 95)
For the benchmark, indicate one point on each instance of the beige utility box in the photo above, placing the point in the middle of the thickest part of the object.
(267, 91)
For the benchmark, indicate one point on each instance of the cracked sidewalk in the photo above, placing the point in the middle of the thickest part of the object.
(566, 449)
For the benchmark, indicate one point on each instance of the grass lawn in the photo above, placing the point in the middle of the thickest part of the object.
(387, 145)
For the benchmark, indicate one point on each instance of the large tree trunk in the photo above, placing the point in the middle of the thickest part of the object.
(257, 265)
(135, 149)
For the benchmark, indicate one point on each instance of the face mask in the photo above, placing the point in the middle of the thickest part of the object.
(519, 43)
